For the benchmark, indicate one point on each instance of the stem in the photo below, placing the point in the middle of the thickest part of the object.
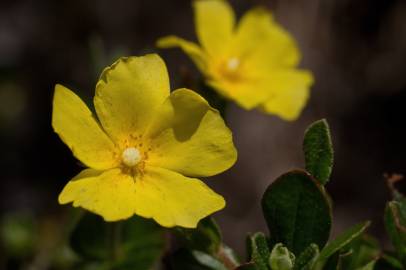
(115, 241)
(226, 258)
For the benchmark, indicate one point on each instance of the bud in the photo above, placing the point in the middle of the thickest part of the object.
(281, 258)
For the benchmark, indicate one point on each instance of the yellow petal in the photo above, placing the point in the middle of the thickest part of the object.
(190, 137)
(190, 48)
(128, 94)
(248, 93)
(263, 43)
(214, 21)
(174, 200)
(110, 194)
(77, 128)
(86, 173)
(291, 92)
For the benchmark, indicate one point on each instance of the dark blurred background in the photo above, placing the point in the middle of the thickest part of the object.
(356, 49)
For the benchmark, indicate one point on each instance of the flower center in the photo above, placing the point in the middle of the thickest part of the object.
(230, 69)
(233, 64)
(131, 156)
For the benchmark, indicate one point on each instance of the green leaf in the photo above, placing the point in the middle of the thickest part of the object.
(307, 258)
(258, 250)
(204, 245)
(206, 237)
(247, 266)
(139, 242)
(333, 263)
(343, 240)
(281, 258)
(89, 239)
(364, 250)
(297, 211)
(389, 262)
(395, 223)
(18, 234)
(318, 151)
(368, 266)
(184, 259)
(208, 260)
(93, 265)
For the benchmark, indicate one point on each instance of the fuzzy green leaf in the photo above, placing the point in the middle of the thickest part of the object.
(307, 258)
(343, 240)
(258, 250)
(318, 151)
(395, 222)
(297, 211)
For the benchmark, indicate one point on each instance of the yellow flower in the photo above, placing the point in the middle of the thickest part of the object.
(147, 145)
(253, 63)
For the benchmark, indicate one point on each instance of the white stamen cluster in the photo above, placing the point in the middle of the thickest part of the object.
(233, 64)
(131, 156)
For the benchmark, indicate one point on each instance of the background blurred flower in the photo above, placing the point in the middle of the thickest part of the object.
(253, 63)
(148, 140)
